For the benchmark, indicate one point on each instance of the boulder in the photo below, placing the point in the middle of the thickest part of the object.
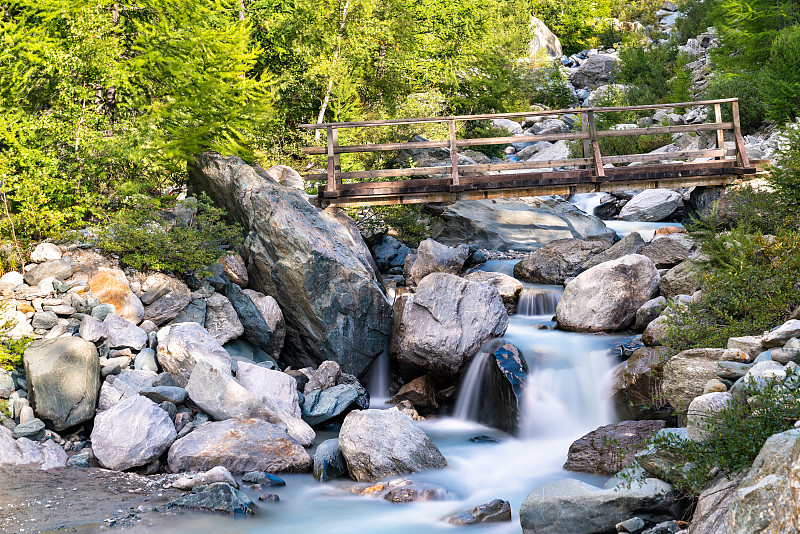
(63, 377)
(132, 433)
(124, 334)
(378, 443)
(216, 474)
(597, 70)
(92, 330)
(45, 455)
(666, 252)
(45, 252)
(711, 513)
(241, 447)
(420, 392)
(58, 269)
(509, 287)
(443, 325)
(218, 497)
(314, 263)
(325, 376)
(686, 373)
(606, 297)
(651, 205)
(159, 394)
(235, 270)
(329, 463)
(608, 449)
(569, 506)
(649, 312)
(222, 322)
(630, 244)
(522, 224)
(698, 425)
(433, 257)
(766, 499)
(750, 345)
(110, 286)
(182, 345)
(168, 306)
(6, 384)
(286, 176)
(260, 316)
(322, 405)
(682, 279)
(780, 335)
(656, 331)
(663, 463)
(389, 252)
(279, 387)
(496, 511)
(542, 39)
(218, 394)
(556, 261)
(636, 384)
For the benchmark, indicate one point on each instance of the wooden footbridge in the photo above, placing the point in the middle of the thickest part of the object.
(589, 173)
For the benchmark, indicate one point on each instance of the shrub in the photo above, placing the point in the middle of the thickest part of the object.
(11, 349)
(548, 86)
(144, 239)
(612, 146)
(408, 222)
(648, 69)
(748, 88)
(782, 76)
(483, 129)
(785, 175)
(738, 433)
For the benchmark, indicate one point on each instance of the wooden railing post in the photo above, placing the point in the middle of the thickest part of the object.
(720, 133)
(596, 157)
(741, 151)
(587, 146)
(333, 161)
(455, 182)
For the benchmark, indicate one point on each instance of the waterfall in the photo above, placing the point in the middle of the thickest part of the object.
(378, 381)
(535, 301)
(469, 395)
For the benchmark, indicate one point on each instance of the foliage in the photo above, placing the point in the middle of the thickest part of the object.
(99, 103)
(697, 17)
(782, 76)
(748, 88)
(785, 176)
(484, 129)
(749, 284)
(11, 349)
(548, 86)
(573, 22)
(408, 223)
(145, 239)
(656, 73)
(738, 432)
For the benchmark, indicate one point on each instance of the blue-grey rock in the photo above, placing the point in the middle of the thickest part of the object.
(265, 479)
(241, 349)
(314, 263)
(329, 463)
(182, 345)
(269, 497)
(6, 384)
(194, 312)
(159, 394)
(58, 269)
(146, 360)
(101, 311)
(389, 252)
(63, 380)
(320, 406)
(496, 511)
(79, 461)
(44, 320)
(33, 429)
(124, 334)
(218, 497)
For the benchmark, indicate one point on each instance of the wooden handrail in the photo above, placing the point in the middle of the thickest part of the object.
(590, 166)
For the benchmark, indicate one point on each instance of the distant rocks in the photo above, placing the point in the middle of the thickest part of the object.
(556, 261)
(651, 205)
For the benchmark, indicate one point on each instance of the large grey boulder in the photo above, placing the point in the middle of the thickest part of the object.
(699, 417)
(542, 39)
(329, 463)
(123, 333)
(443, 325)
(766, 499)
(218, 497)
(389, 252)
(606, 297)
(381, 443)
(630, 244)
(63, 377)
(134, 432)
(651, 205)
(569, 506)
(58, 269)
(314, 263)
(711, 513)
(44, 455)
(433, 257)
(608, 449)
(241, 447)
(667, 253)
(686, 373)
(217, 393)
(782, 334)
(522, 224)
(556, 261)
(321, 405)
(597, 70)
(636, 384)
(683, 279)
(182, 345)
(170, 304)
(270, 332)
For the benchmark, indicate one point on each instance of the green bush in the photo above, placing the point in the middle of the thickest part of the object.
(484, 129)
(11, 349)
(782, 76)
(408, 223)
(548, 86)
(638, 144)
(144, 239)
(737, 434)
(749, 285)
(785, 176)
(748, 88)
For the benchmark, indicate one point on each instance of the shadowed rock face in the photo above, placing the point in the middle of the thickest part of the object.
(314, 263)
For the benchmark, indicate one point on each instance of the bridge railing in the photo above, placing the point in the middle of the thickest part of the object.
(592, 161)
